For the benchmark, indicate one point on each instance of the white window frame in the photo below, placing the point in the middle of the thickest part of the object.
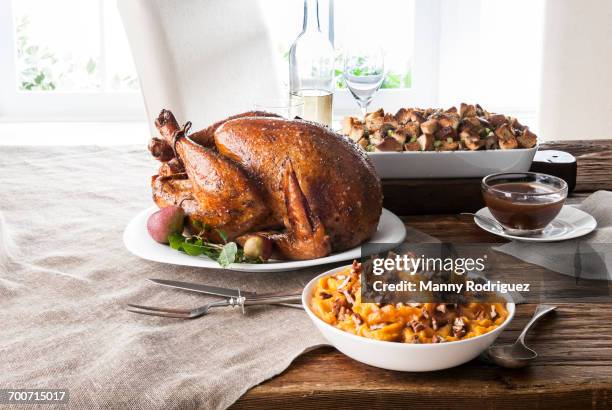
(17, 105)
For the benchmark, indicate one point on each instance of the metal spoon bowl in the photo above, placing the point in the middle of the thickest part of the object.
(516, 355)
(487, 221)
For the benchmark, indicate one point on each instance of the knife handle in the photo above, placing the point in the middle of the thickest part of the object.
(268, 300)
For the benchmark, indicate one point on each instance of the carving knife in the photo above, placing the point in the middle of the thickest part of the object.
(212, 290)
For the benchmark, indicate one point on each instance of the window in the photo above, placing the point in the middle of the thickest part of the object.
(437, 53)
(395, 23)
(66, 67)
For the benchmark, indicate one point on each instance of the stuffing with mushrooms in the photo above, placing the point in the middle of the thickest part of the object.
(470, 128)
(336, 299)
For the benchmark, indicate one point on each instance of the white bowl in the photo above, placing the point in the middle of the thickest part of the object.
(402, 356)
(451, 164)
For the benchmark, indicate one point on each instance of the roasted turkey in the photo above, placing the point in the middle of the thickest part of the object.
(308, 189)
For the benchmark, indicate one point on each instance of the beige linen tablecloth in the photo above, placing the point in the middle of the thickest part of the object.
(65, 277)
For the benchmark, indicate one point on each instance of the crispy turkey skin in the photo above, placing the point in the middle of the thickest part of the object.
(311, 190)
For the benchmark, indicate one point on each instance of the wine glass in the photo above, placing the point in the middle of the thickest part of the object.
(364, 73)
(289, 107)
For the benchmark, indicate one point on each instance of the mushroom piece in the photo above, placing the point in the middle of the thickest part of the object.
(472, 124)
(426, 142)
(516, 125)
(484, 122)
(451, 110)
(506, 137)
(388, 144)
(449, 120)
(403, 115)
(527, 139)
(504, 132)
(496, 119)
(466, 110)
(418, 116)
(429, 127)
(480, 112)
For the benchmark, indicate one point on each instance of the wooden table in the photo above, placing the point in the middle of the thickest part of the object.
(574, 369)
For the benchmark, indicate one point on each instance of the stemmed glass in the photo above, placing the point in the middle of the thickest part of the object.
(364, 73)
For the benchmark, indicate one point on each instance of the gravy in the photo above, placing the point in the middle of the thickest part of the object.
(524, 212)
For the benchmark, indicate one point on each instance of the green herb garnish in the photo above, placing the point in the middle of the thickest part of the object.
(225, 254)
(228, 254)
(222, 235)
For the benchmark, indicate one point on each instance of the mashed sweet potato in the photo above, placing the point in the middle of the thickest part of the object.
(336, 299)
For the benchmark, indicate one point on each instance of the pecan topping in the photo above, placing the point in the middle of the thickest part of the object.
(440, 321)
(356, 268)
(459, 328)
(336, 306)
(438, 339)
(345, 282)
(325, 295)
(348, 297)
(416, 326)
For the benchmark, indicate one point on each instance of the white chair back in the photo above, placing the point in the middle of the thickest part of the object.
(202, 59)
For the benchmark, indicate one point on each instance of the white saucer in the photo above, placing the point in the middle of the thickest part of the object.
(391, 231)
(569, 224)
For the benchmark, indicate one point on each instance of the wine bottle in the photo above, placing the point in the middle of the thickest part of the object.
(311, 68)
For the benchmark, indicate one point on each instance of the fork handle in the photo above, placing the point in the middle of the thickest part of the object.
(267, 300)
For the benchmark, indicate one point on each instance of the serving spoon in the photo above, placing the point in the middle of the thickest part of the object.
(516, 355)
(486, 220)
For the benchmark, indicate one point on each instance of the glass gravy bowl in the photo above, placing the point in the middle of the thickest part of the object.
(524, 203)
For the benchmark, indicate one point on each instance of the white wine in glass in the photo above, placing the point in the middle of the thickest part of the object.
(317, 105)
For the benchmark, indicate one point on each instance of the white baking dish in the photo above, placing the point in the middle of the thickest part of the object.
(450, 164)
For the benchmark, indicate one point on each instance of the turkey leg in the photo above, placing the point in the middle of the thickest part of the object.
(227, 200)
